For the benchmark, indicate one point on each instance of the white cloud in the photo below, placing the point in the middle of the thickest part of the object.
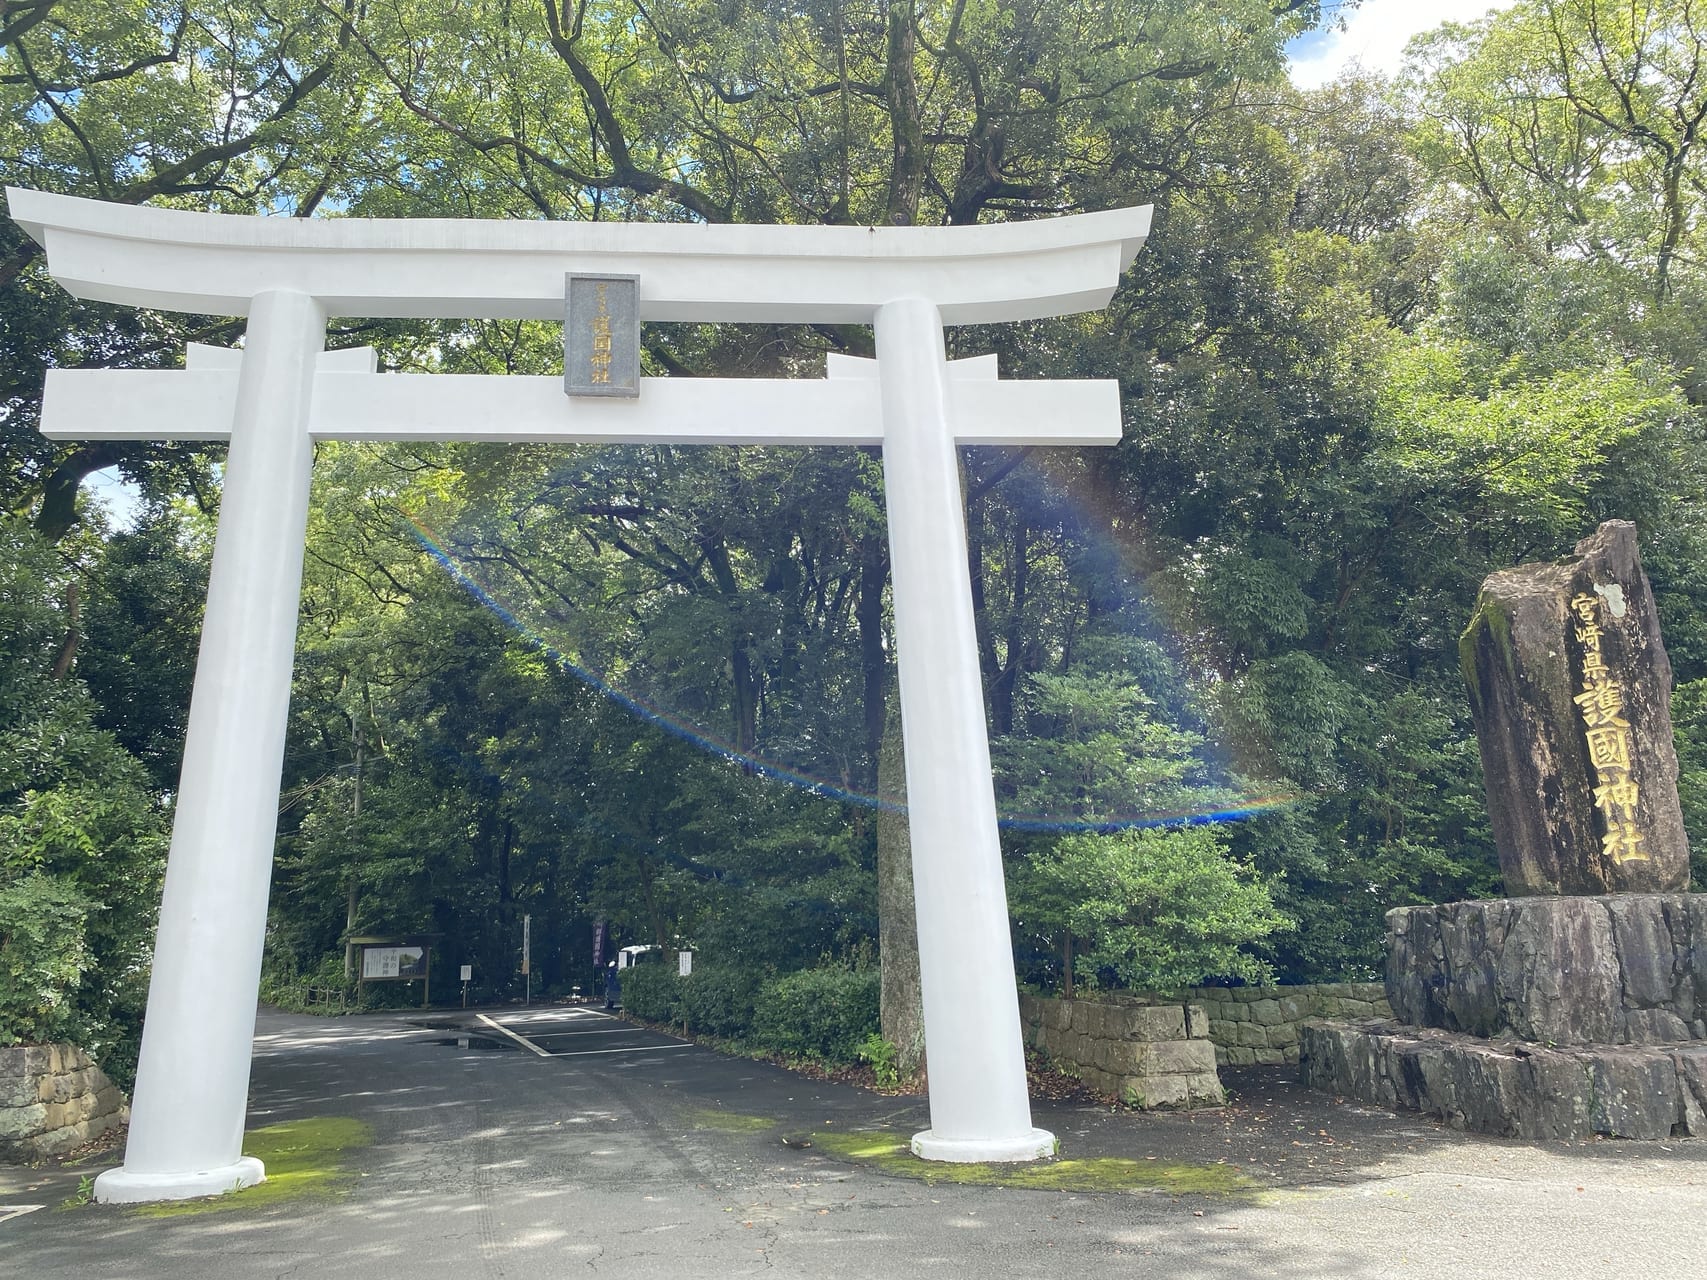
(1376, 34)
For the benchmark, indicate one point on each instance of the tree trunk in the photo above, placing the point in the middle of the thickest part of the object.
(68, 647)
(903, 1014)
(58, 511)
(908, 160)
(873, 658)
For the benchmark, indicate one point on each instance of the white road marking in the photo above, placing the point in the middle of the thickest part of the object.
(10, 1211)
(580, 1031)
(651, 1048)
(505, 1031)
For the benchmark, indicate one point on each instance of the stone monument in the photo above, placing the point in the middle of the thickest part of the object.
(1578, 1004)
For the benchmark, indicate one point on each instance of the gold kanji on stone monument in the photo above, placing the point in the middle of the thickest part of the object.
(1601, 705)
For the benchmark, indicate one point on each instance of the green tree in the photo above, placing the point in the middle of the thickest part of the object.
(82, 840)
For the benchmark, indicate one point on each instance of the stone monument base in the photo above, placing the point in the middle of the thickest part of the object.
(1510, 1088)
(1535, 1017)
(1619, 968)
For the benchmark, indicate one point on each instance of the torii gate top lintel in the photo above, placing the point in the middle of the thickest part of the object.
(211, 263)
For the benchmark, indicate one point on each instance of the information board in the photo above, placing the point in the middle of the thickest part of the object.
(383, 963)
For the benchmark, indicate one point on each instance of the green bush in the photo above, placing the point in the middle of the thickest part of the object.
(817, 1013)
(82, 837)
(42, 958)
(653, 992)
(718, 1000)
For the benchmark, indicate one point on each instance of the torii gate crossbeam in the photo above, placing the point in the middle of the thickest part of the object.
(282, 391)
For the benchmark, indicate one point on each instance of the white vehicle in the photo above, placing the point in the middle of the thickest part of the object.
(628, 957)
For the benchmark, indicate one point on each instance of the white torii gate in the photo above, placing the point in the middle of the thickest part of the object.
(282, 391)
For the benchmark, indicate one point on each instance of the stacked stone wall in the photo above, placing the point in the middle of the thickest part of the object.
(52, 1100)
(1260, 1026)
(1146, 1055)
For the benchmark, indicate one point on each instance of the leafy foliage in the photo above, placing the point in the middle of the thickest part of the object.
(822, 1013)
(1153, 909)
(82, 841)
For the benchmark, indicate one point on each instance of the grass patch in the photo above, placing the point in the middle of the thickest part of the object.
(729, 1121)
(889, 1153)
(304, 1159)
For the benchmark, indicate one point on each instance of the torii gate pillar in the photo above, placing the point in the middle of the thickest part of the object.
(281, 393)
(980, 1106)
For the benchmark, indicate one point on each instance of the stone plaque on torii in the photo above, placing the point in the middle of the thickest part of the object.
(282, 391)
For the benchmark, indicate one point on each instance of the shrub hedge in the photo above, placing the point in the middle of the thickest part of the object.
(653, 992)
(719, 1000)
(816, 1013)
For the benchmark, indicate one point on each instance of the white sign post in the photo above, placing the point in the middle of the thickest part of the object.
(281, 392)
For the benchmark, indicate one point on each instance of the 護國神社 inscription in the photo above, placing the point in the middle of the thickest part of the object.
(1607, 732)
(1571, 690)
(601, 336)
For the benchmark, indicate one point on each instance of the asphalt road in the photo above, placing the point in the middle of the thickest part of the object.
(561, 1142)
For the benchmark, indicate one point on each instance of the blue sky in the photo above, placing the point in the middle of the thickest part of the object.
(1375, 35)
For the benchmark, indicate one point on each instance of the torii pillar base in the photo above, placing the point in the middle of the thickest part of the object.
(121, 1186)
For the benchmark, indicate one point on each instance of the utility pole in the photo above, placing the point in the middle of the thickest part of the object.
(352, 890)
(527, 973)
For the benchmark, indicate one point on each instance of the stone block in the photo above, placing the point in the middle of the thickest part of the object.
(1249, 1035)
(1196, 1022)
(1691, 1066)
(1160, 1022)
(17, 1091)
(71, 1111)
(1291, 1008)
(1185, 1057)
(1635, 1094)
(1266, 1013)
(1238, 1056)
(1124, 1057)
(1236, 1011)
(22, 1122)
(1656, 1026)
(1088, 1018)
(1204, 1090)
(1559, 973)
(1110, 1055)
(1271, 1057)
(1652, 935)
(1057, 1014)
(64, 1085)
(1152, 1091)
(1509, 1089)
(1285, 1036)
